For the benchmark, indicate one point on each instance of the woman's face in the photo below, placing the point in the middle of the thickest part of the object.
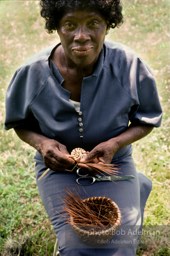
(82, 34)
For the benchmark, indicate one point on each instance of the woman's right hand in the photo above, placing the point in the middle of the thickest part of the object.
(55, 154)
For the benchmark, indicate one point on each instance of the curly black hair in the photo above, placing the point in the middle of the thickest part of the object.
(53, 10)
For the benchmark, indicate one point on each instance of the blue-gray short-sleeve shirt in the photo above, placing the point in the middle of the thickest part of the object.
(120, 91)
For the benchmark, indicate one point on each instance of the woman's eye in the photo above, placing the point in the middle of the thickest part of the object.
(69, 25)
(94, 23)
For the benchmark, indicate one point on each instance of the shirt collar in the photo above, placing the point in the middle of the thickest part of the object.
(99, 65)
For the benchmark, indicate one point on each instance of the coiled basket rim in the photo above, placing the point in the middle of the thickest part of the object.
(108, 232)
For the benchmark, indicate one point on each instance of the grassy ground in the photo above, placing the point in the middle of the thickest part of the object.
(24, 227)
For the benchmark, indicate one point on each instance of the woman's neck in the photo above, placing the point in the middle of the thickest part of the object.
(64, 63)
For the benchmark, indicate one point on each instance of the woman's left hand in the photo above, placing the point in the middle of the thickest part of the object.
(103, 152)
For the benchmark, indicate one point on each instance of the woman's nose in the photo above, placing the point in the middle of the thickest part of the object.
(82, 34)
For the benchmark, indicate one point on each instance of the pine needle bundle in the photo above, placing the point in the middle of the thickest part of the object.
(78, 154)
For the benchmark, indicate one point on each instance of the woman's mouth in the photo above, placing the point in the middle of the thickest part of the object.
(81, 51)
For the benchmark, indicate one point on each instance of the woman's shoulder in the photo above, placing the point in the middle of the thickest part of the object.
(35, 69)
(33, 75)
(120, 50)
(122, 56)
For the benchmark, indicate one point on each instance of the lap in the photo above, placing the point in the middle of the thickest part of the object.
(126, 194)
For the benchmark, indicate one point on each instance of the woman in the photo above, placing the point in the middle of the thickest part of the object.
(91, 94)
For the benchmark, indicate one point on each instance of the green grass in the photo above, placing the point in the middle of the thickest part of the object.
(24, 227)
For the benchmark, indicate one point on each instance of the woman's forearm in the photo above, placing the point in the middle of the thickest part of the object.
(105, 151)
(132, 134)
(55, 154)
(32, 138)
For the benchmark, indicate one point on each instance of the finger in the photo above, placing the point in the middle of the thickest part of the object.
(92, 156)
(101, 160)
(63, 149)
(70, 157)
(56, 166)
(63, 159)
(58, 163)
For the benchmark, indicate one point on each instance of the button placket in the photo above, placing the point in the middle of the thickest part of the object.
(80, 123)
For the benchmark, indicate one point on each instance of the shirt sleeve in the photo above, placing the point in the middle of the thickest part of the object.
(147, 109)
(19, 95)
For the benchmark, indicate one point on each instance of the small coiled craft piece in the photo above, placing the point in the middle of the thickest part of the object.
(78, 153)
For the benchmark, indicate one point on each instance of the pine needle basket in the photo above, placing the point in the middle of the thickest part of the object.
(109, 218)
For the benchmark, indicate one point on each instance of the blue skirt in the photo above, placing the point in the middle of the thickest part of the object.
(130, 196)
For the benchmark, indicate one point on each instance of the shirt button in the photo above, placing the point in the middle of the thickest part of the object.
(80, 113)
(81, 124)
(80, 129)
(80, 119)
